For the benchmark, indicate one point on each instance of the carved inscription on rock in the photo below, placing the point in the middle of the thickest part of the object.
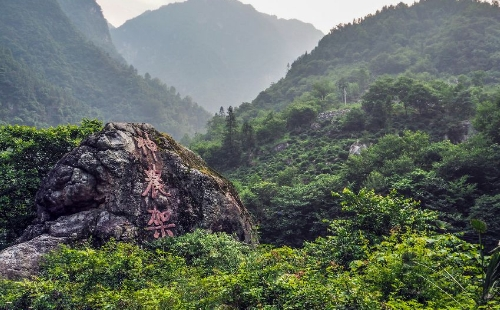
(158, 221)
(154, 183)
(154, 187)
(147, 144)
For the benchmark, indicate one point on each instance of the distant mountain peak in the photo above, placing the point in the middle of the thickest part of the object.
(223, 52)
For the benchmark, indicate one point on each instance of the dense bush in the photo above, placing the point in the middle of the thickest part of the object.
(408, 267)
(26, 156)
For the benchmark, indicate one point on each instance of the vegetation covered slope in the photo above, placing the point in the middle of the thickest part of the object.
(388, 242)
(286, 154)
(222, 51)
(88, 18)
(383, 251)
(26, 97)
(429, 39)
(41, 39)
(409, 268)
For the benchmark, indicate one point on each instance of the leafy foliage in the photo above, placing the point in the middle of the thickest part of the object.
(210, 251)
(415, 271)
(452, 40)
(487, 119)
(491, 279)
(443, 177)
(367, 219)
(398, 235)
(424, 104)
(412, 269)
(27, 155)
(378, 215)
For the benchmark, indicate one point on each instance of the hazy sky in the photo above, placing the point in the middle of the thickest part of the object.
(323, 14)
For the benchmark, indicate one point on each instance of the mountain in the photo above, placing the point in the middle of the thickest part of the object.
(221, 51)
(406, 99)
(53, 73)
(27, 98)
(445, 39)
(87, 16)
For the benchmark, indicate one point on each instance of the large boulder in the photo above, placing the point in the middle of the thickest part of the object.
(131, 183)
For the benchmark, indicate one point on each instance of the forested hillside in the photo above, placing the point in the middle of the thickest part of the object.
(27, 98)
(361, 111)
(444, 39)
(66, 77)
(222, 52)
(87, 16)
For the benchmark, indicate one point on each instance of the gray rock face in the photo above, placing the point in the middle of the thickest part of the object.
(356, 148)
(130, 183)
(330, 115)
(22, 260)
(281, 147)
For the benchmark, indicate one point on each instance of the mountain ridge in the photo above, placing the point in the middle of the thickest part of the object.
(221, 52)
(440, 38)
(41, 37)
(366, 87)
(88, 19)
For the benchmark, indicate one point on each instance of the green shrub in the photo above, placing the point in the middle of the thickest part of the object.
(209, 251)
(27, 154)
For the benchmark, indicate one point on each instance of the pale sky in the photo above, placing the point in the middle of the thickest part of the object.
(323, 14)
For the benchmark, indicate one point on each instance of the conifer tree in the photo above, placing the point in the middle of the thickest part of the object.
(231, 144)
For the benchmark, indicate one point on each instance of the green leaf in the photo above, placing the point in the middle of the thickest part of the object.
(479, 226)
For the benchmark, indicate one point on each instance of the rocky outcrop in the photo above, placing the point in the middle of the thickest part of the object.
(330, 115)
(22, 260)
(460, 132)
(281, 147)
(130, 183)
(356, 148)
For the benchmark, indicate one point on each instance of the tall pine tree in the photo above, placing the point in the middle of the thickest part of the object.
(231, 145)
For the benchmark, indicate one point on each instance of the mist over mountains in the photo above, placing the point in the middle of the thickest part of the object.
(348, 114)
(446, 39)
(88, 18)
(221, 52)
(58, 67)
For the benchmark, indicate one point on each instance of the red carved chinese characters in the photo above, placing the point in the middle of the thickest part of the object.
(157, 223)
(158, 220)
(147, 144)
(153, 177)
